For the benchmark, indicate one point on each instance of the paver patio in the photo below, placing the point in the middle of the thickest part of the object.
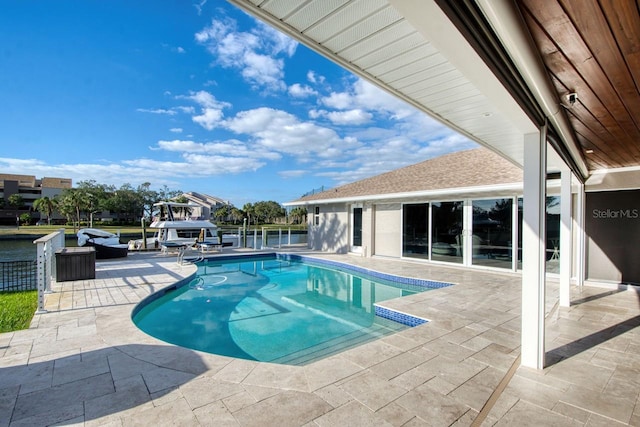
(85, 362)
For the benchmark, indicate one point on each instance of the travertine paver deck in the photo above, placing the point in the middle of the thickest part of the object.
(85, 362)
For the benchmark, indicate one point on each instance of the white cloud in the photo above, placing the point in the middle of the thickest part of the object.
(315, 114)
(211, 112)
(230, 147)
(301, 91)
(258, 55)
(391, 154)
(180, 49)
(290, 174)
(168, 112)
(175, 130)
(199, 6)
(366, 96)
(350, 117)
(283, 132)
(339, 101)
(313, 78)
(186, 109)
(209, 119)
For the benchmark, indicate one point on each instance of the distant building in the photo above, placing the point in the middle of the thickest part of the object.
(30, 189)
(205, 205)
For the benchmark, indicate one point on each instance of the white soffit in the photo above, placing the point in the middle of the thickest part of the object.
(411, 49)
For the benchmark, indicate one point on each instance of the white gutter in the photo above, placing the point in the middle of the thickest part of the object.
(508, 23)
(513, 187)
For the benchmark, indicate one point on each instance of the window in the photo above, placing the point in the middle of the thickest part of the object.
(316, 217)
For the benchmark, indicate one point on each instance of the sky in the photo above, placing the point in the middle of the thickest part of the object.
(195, 96)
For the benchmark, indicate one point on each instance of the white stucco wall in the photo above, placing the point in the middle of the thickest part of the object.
(332, 232)
(388, 230)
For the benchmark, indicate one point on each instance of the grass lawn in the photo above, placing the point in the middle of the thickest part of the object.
(17, 309)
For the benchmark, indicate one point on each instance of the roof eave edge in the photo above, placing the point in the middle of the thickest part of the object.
(412, 194)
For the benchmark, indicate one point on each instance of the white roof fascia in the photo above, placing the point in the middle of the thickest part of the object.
(486, 189)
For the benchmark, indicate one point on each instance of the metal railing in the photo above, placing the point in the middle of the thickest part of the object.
(18, 276)
(45, 263)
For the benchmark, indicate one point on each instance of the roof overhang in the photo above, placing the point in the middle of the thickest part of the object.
(414, 51)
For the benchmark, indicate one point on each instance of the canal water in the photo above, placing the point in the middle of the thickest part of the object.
(25, 250)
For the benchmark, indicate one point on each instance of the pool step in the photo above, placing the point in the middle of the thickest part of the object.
(380, 328)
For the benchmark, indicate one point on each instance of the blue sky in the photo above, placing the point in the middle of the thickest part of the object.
(197, 96)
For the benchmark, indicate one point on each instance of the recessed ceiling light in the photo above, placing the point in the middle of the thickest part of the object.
(588, 151)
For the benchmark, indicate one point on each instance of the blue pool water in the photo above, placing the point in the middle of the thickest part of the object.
(272, 310)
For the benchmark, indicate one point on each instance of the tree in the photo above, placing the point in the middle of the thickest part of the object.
(16, 201)
(249, 211)
(268, 211)
(25, 218)
(148, 197)
(46, 206)
(75, 201)
(236, 215)
(298, 215)
(184, 211)
(222, 213)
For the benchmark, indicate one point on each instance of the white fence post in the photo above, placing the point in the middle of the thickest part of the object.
(46, 248)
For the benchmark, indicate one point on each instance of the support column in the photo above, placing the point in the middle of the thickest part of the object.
(534, 249)
(580, 219)
(565, 238)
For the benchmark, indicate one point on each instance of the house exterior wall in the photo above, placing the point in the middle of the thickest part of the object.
(612, 226)
(331, 233)
(388, 230)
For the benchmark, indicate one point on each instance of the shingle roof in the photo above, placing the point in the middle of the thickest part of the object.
(478, 167)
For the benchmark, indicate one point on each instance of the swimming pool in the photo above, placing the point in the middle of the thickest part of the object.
(276, 309)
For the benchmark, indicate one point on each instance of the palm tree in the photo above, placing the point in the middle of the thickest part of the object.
(184, 211)
(46, 206)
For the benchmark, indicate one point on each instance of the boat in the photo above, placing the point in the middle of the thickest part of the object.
(177, 232)
(107, 244)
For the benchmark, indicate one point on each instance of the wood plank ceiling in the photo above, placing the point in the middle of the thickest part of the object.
(592, 48)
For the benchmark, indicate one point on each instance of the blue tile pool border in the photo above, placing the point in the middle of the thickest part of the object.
(423, 283)
(398, 316)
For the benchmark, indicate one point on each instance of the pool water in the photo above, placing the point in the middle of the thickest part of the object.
(272, 310)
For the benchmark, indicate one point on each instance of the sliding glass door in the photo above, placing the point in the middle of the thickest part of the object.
(492, 232)
(415, 230)
(447, 242)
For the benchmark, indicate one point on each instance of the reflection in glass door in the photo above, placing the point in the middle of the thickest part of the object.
(492, 233)
(553, 233)
(415, 230)
(447, 242)
(356, 236)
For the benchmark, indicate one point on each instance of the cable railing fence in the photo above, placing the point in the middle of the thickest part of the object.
(18, 276)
